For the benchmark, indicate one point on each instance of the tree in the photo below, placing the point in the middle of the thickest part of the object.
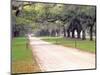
(44, 16)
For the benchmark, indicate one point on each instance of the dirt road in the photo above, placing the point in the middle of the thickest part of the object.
(52, 57)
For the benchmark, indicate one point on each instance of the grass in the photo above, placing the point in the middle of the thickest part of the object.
(84, 45)
(23, 61)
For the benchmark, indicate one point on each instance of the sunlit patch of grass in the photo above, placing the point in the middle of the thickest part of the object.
(24, 67)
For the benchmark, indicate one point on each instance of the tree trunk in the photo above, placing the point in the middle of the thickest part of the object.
(78, 34)
(64, 30)
(73, 35)
(16, 33)
(68, 33)
(91, 33)
(53, 33)
(83, 35)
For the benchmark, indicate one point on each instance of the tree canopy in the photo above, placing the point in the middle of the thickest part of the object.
(56, 15)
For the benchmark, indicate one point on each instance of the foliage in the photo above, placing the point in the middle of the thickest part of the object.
(42, 15)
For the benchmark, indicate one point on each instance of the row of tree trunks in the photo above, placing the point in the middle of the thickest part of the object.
(53, 32)
(73, 34)
(78, 34)
(91, 33)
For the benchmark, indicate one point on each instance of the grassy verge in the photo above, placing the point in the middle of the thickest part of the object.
(85, 45)
(23, 61)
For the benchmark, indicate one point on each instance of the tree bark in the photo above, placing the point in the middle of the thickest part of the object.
(78, 34)
(73, 35)
(68, 33)
(91, 33)
(83, 35)
(64, 30)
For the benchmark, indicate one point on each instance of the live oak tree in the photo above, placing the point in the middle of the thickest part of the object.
(53, 19)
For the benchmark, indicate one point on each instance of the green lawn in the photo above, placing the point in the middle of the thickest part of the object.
(85, 45)
(19, 50)
(23, 60)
